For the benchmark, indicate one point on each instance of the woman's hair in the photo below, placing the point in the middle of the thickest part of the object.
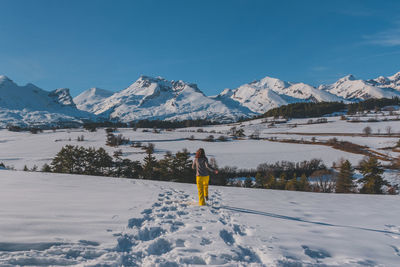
(200, 153)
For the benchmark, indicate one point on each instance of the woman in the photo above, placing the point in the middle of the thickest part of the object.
(200, 164)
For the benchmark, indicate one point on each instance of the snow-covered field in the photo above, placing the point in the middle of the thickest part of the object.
(59, 219)
(23, 148)
(56, 219)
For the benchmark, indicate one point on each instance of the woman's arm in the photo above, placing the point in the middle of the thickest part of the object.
(194, 164)
(210, 168)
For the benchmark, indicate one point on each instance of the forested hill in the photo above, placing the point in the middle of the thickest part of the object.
(311, 110)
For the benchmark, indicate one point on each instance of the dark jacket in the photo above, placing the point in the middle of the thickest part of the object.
(201, 166)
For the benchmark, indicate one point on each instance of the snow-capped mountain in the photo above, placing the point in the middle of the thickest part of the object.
(88, 99)
(262, 95)
(387, 82)
(351, 88)
(25, 105)
(158, 98)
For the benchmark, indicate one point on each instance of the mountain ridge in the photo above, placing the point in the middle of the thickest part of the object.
(158, 98)
(31, 105)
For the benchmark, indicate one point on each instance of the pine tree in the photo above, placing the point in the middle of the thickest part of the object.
(303, 184)
(46, 168)
(103, 162)
(63, 162)
(372, 180)
(260, 180)
(345, 180)
(34, 168)
(271, 182)
(165, 166)
(282, 181)
(183, 166)
(292, 183)
(131, 169)
(118, 162)
(150, 164)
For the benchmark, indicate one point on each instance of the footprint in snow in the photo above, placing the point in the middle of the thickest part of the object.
(159, 247)
(396, 250)
(316, 253)
(227, 237)
(205, 241)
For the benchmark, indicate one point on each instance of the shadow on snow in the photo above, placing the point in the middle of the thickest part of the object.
(284, 217)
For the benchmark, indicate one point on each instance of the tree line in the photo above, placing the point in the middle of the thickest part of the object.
(372, 104)
(318, 109)
(311, 176)
(316, 177)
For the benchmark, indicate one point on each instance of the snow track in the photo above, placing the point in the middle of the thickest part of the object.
(174, 232)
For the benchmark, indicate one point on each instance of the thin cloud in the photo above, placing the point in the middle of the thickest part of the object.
(319, 68)
(356, 12)
(390, 37)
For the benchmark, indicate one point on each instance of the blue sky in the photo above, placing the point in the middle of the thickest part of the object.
(216, 44)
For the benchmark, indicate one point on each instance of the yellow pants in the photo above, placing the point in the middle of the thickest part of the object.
(202, 186)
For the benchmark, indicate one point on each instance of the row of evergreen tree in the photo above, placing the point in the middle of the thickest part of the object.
(305, 110)
(310, 175)
(372, 104)
(325, 180)
(312, 109)
(160, 124)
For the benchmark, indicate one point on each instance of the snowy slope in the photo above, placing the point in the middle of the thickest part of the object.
(308, 92)
(351, 88)
(387, 82)
(258, 96)
(157, 98)
(55, 220)
(262, 95)
(29, 104)
(89, 99)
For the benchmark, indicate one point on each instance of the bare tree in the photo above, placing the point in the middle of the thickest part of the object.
(389, 130)
(323, 181)
(367, 130)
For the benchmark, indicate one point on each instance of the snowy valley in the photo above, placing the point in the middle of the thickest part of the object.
(51, 219)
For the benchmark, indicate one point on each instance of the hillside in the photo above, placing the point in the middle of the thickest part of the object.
(267, 93)
(157, 98)
(30, 105)
(351, 88)
(93, 220)
(88, 99)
